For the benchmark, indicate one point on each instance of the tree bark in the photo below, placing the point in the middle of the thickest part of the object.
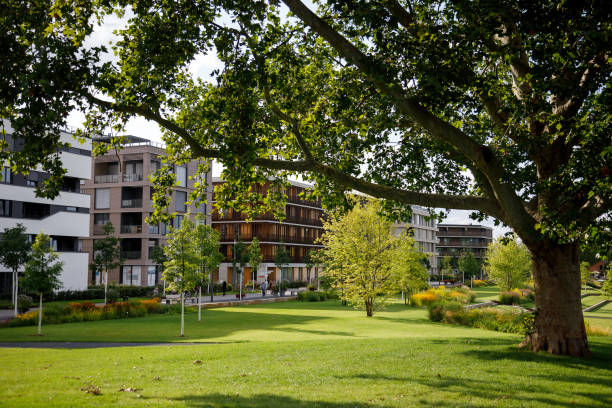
(182, 313)
(40, 311)
(369, 305)
(559, 323)
(200, 303)
(15, 292)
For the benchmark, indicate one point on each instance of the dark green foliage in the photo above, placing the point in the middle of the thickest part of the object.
(24, 303)
(296, 284)
(484, 318)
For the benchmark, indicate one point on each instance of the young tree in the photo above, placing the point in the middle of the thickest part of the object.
(107, 254)
(409, 272)
(208, 257)
(14, 252)
(508, 263)
(607, 285)
(361, 256)
(497, 108)
(585, 274)
(468, 265)
(158, 256)
(181, 268)
(446, 266)
(255, 258)
(240, 259)
(42, 272)
(281, 258)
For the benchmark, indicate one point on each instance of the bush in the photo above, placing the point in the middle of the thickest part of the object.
(310, 296)
(296, 284)
(479, 283)
(516, 297)
(486, 318)
(311, 287)
(87, 311)
(462, 295)
(24, 302)
(112, 295)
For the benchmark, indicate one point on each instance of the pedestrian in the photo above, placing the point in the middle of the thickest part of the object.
(224, 287)
(264, 286)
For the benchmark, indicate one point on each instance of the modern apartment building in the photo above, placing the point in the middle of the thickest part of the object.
(455, 239)
(424, 233)
(65, 219)
(298, 232)
(121, 192)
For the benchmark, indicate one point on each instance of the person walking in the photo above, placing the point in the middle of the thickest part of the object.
(224, 287)
(264, 286)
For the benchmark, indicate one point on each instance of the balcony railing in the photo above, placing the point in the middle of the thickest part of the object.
(131, 229)
(132, 203)
(106, 178)
(153, 229)
(270, 238)
(132, 177)
(130, 254)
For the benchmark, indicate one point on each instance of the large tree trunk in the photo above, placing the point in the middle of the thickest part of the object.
(559, 323)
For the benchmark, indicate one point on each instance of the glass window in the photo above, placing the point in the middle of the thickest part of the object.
(6, 175)
(101, 219)
(181, 176)
(178, 220)
(5, 208)
(131, 275)
(71, 209)
(151, 275)
(102, 198)
(181, 198)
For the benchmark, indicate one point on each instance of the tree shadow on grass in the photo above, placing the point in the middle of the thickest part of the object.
(601, 357)
(318, 332)
(260, 401)
(496, 392)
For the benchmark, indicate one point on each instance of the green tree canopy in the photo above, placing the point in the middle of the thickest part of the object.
(508, 263)
(106, 254)
(42, 272)
(366, 260)
(500, 108)
(14, 252)
(468, 264)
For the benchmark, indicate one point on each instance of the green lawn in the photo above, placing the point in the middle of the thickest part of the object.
(486, 293)
(298, 355)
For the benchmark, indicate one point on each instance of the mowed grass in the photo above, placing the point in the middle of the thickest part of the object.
(297, 355)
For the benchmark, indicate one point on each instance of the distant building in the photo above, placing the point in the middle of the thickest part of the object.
(298, 232)
(455, 239)
(424, 233)
(122, 194)
(65, 219)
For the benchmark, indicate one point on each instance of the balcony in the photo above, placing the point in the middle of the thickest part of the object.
(106, 178)
(131, 229)
(132, 177)
(130, 254)
(153, 229)
(132, 203)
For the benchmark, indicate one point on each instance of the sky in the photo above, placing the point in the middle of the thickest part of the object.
(201, 67)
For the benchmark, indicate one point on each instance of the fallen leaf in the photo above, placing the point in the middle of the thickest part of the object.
(156, 378)
(129, 389)
(197, 362)
(92, 389)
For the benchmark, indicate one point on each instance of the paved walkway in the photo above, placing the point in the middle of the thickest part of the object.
(88, 345)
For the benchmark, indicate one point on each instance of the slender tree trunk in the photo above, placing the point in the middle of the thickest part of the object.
(40, 311)
(211, 286)
(105, 283)
(559, 323)
(369, 304)
(15, 292)
(200, 303)
(182, 313)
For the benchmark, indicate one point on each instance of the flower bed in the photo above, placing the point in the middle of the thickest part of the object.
(87, 311)
(461, 295)
(485, 318)
(516, 296)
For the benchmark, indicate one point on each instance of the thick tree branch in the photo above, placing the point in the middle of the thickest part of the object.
(482, 157)
(402, 15)
(461, 202)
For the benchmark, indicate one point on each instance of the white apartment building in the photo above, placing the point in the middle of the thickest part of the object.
(424, 233)
(65, 219)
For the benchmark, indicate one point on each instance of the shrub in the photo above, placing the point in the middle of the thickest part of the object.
(516, 296)
(486, 318)
(296, 284)
(311, 287)
(24, 302)
(112, 295)
(479, 283)
(461, 295)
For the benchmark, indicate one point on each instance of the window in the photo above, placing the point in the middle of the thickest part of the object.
(181, 176)
(101, 219)
(5, 208)
(102, 198)
(178, 220)
(151, 275)
(31, 183)
(131, 275)
(181, 198)
(71, 209)
(155, 165)
(6, 175)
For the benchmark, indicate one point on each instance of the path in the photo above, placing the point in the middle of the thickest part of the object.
(87, 345)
